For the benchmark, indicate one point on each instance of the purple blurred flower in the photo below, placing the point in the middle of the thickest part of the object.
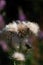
(2, 23)
(4, 46)
(22, 16)
(2, 4)
(40, 35)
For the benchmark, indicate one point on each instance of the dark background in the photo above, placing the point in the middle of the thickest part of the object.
(33, 10)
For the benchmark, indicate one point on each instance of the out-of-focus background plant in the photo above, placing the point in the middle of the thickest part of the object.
(21, 42)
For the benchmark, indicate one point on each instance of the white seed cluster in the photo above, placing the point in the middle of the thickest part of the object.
(16, 27)
(18, 56)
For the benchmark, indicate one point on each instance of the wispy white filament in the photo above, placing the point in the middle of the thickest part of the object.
(12, 27)
(34, 27)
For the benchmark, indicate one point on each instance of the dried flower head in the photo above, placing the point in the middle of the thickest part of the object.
(23, 26)
(18, 56)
